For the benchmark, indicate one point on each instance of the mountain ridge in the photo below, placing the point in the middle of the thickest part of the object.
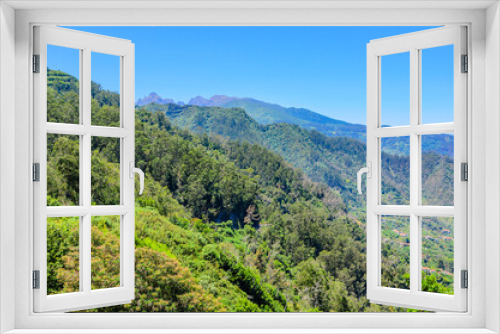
(266, 113)
(155, 98)
(333, 161)
(296, 247)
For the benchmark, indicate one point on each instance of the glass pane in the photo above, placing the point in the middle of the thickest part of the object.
(63, 170)
(105, 89)
(395, 89)
(105, 252)
(63, 85)
(437, 84)
(395, 265)
(395, 168)
(437, 254)
(105, 171)
(63, 255)
(437, 169)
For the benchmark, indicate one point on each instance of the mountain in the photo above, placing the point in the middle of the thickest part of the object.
(221, 226)
(330, 160)
(225, 225)
(214, 101)
(335, 162)
(155, 98)
(268, 113)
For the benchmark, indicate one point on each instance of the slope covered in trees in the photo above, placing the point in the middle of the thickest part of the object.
(223, 225)
(266, 113)
(330, 160)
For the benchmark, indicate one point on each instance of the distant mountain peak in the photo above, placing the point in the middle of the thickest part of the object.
(267, 113)
(153, 97)
(214, 101)
(200, 101)
(222, 99)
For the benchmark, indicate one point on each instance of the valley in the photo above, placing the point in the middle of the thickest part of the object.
(237, 215)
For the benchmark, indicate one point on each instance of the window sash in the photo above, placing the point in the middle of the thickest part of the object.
(86, 297)
(413, 43)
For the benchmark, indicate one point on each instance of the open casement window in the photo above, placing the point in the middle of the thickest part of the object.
(414, 225)
(84, 240)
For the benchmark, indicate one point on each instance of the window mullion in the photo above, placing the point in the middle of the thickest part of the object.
(415, 156)
(86, 169)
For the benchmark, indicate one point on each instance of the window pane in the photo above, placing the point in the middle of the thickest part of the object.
(437, 84)
(395, 264)
(437, 254)
(63, 255)
(105, 171)
(63, 85)
(395, 168)
(105, 252)
(395, 89)
(63, 170)
(437, 169)
(105, 89)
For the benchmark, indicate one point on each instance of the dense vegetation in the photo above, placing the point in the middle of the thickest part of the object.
(333, 161)
(269, 113)
(224, 224)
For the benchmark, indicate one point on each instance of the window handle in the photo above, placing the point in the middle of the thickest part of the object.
(368, 171)
(134, 170)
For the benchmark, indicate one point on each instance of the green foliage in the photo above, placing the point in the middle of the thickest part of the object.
(103, 97)
(205, 182)
(62, 266)
(333, 161)
(267, 113)
(162, 283)
(63, 166)
(430, 283)
(237, 223)
(62, 82)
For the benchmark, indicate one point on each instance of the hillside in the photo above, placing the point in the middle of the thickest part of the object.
(330, 160)
(223, 225)
(266, 113)
(214, 231)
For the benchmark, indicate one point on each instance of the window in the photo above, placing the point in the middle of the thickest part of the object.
(425, 16)
(101, 274)
(415, 213)
(230, 222)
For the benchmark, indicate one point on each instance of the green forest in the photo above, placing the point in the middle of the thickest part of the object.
(236, 216)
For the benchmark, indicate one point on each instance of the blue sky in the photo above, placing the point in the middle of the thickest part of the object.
(319, 68)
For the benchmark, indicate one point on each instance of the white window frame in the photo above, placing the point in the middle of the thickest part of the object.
(484, 211)
(85, 44)
(414, 43)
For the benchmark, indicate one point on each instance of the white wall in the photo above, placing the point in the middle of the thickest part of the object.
(492, 165)
(7, 159)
